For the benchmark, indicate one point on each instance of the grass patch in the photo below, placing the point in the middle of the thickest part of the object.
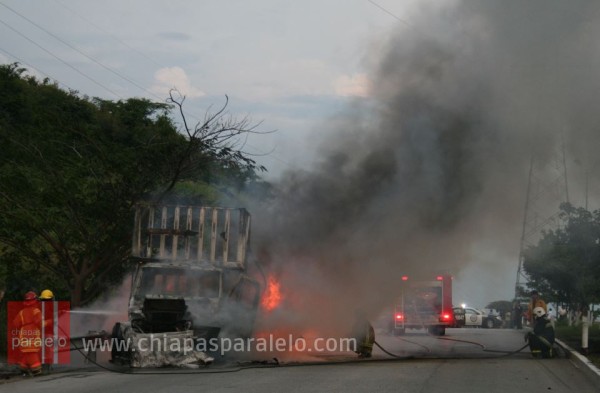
(571, 335)
(595, 359)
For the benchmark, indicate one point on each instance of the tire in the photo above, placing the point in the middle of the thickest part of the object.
(437, 330)
(399, 331)
(118, 357)
(489, 323)
(390, 328)
(116, 336)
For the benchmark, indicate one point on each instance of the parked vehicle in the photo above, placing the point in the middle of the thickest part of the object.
(459, 317)
(477, 318)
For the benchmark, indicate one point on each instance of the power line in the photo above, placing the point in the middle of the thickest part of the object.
(197, 118)
(61, 60)
(21, 61)
(390, 13)
(81, 52)
(109, 34)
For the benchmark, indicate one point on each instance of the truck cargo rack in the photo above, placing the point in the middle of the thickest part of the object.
(214, 235)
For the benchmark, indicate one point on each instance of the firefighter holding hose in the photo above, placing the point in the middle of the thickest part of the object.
(364, 334)
(541, 340)
(28, 322)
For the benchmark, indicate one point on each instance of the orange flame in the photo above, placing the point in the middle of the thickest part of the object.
(272, 297)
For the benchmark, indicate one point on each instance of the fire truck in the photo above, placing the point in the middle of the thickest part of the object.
(424, 304)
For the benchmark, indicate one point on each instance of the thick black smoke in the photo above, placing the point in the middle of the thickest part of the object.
(428, 175)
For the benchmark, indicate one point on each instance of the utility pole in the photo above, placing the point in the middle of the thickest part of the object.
(547, 188)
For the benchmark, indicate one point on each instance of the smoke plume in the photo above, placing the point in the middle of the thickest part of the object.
(428, 174)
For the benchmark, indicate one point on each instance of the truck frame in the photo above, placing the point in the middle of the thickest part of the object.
(189, 285)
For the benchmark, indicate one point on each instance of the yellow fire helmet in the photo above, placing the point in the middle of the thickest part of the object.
(538, 311)
(46, 294)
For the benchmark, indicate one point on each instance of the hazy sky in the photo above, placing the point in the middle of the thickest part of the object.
(302, 66)
(289, 64)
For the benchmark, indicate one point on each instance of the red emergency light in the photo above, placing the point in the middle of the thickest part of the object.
(399, 317)
(404, 278)
(445, 317)
(440, 278)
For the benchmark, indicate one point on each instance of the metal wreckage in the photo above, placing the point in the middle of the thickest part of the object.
(190, 285)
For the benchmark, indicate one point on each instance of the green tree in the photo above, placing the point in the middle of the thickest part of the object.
(565, 264)
(72, 168)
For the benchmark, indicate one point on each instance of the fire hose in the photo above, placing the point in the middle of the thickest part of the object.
(275, 362)
(484, 349)
(392, 354)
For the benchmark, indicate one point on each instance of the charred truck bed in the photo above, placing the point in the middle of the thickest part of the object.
(190, 282)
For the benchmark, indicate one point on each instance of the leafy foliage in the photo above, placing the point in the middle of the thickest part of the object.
(565, 264)
(72, 168)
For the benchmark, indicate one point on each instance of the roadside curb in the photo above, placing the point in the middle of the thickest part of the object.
(581, 361)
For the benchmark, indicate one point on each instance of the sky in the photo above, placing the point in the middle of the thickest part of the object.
(405, 127)
(287, 64)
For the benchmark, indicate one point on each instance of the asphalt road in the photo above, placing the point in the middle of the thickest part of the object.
(465, 360)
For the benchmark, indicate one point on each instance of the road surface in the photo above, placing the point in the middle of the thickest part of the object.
(465, 360)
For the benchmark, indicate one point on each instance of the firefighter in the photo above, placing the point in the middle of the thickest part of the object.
(541, 340)
(46, 296)
(536, 301)
(29, 323)
(364, 335)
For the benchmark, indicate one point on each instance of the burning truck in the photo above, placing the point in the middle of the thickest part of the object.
(190, 285)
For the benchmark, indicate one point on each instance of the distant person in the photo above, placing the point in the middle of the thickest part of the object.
(507, 320)
(551, 315)
(536, 301)
(541, 340)
(517, 315)
(364, 334)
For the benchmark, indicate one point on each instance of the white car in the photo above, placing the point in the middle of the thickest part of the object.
(477, 318)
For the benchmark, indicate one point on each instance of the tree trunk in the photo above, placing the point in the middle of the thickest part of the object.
(77, 292)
